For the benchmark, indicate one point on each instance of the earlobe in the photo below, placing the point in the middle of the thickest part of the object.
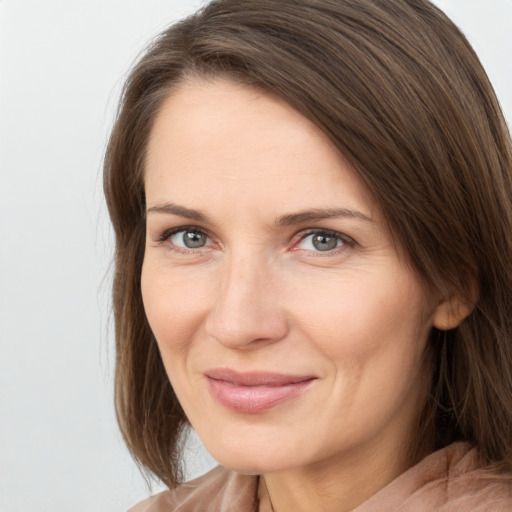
(451, 312)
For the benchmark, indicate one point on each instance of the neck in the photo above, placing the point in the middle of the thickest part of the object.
(332, 486)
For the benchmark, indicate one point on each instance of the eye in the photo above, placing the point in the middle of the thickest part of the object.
(322, 241)
(187, 238)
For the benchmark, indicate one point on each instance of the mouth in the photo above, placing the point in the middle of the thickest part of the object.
(254, 392)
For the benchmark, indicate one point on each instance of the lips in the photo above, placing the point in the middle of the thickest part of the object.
(254, 392)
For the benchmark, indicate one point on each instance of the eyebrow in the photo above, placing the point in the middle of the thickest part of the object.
(312, 215)
(181, 211)
(321, 214)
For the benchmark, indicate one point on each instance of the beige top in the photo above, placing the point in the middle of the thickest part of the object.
(449, 480)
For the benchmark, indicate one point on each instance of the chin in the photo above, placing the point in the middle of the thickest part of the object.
(263, 463)
(254, 454)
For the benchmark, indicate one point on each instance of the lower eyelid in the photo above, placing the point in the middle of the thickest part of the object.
(165, 238)
(340, 237)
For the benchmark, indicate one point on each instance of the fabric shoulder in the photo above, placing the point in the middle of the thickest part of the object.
(453, 479)
(219, 490)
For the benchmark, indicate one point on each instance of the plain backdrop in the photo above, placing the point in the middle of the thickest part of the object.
(62, 63)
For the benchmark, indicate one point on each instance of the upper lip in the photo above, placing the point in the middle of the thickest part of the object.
(255, 378)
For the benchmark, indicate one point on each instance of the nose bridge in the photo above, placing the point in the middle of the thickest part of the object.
(246, 308)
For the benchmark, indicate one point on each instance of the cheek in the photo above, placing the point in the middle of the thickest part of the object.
(174, 304)
(381, 321)
(374, 336)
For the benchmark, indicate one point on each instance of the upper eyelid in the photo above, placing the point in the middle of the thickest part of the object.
(172, 231)
(305, 233)
(163, 239)
(311, 231)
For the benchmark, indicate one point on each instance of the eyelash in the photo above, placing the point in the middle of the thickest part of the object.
(166, 236)
(346, 240)
(340, 237)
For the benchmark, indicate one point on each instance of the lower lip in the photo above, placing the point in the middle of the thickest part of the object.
(254, 399)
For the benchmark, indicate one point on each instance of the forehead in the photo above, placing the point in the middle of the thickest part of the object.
(227, 116)
(218, 140)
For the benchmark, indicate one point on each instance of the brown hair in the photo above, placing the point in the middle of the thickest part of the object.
(401, 93)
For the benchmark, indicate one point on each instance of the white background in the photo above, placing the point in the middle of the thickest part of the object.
(61, 67)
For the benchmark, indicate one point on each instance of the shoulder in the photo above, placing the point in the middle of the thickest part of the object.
(216, 490)
(450, 480)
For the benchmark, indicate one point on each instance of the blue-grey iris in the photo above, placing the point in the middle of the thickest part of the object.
(324, 242)
(193, 240)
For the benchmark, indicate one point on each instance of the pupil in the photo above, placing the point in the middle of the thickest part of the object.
(324, 243)
(193, 240)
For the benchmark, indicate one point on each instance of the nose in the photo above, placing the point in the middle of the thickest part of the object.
(248, 309)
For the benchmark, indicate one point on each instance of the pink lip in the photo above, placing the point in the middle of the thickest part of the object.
(254, 392)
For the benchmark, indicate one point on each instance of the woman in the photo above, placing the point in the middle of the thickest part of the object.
(312, 202)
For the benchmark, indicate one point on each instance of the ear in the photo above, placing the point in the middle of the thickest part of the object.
(452, 311)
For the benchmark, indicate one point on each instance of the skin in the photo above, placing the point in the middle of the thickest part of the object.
(260, 296)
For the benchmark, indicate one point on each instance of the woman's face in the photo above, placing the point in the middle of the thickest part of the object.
(292, 332)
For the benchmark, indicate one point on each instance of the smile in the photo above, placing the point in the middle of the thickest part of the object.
(254, 392)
